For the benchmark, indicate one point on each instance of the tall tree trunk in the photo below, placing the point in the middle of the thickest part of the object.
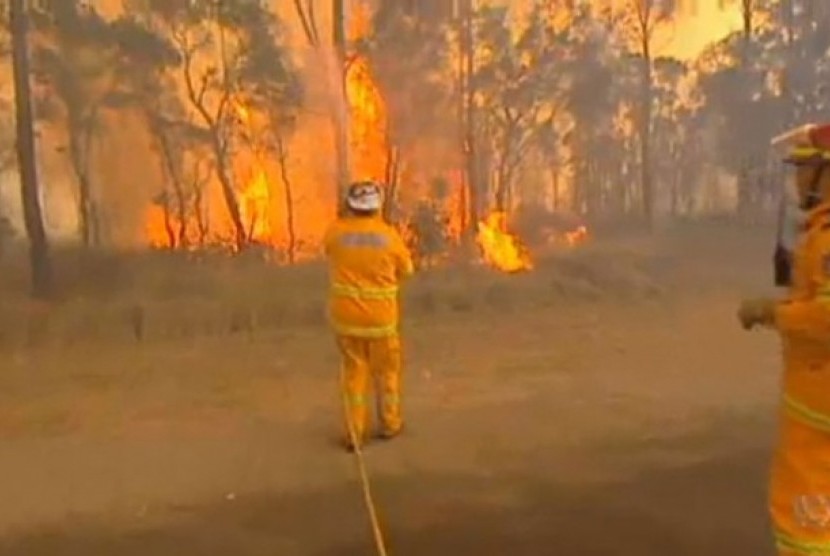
(223, 172)
(501, 185)
(168, 222)
(171, 162)
(554, 183)
(199, 215)
(221, 144)
(78, 160)
(337, 73)
(391, 175)
(646, 184)
(341, 116)
(41, 268)
(463, 206)
(787, 13)
(289, 201)
(745, 186)
(220, 136)
(580, 183)
(470, 147)
(675, 178)
(508, 160)
(462, 80)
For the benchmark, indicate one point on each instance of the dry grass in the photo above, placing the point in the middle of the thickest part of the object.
(116, 298)
(146, 297)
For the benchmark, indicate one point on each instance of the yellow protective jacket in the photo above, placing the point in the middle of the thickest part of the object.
(803, 320)
(367, 261)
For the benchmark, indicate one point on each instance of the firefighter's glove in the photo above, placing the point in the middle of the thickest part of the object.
(757, 312)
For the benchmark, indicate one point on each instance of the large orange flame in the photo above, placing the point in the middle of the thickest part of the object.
(367, 127)
(367, 122)
(157, 220)
(500, 248)
(254, 195)
(263, 209)
(254, 206)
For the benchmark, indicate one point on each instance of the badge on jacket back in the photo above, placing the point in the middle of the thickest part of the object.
(364, 239)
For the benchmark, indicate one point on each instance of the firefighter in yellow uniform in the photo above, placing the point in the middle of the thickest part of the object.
(367, 262)
(799, 494)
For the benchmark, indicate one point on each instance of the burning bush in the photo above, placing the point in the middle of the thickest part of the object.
(500, 248)
(540, 227)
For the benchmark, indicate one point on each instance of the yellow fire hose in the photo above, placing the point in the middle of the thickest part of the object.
(380, 544)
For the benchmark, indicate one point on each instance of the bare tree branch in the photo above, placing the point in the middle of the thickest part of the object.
(306, 16)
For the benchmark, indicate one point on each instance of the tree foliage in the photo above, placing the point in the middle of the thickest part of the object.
(565, 105)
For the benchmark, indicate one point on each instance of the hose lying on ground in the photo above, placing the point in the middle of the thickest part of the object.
(365, 484)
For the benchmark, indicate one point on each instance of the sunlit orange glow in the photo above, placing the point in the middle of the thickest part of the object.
(500, 248)
(698, 24)
(695, 24)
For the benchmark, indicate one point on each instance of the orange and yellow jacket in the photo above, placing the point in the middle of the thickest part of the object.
(803, 320)
(367, 261)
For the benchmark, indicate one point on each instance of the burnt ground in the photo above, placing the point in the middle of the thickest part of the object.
(606, 424)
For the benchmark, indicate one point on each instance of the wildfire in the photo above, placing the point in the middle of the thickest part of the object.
(255, 193)
(576, 236)
(254, 204)
(367, 122)
(158, 226)
(259, 184)
(253, 168)
(568, 238)
(500, 248)
(367, 108)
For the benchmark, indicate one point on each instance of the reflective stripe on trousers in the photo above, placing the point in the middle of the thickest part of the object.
(356, 399)
(372, 364)
(798, 479)
(377, 294)
(391, 399)
(368, 332)
(807, 415)
(789, 545)
(354, 292)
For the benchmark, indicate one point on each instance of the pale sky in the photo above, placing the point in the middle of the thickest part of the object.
(701, 23)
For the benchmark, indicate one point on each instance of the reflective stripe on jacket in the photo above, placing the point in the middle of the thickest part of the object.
(367, 261)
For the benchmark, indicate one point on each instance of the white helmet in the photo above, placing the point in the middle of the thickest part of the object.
(365, 196)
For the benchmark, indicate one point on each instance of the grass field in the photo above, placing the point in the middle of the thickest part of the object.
(604, 403)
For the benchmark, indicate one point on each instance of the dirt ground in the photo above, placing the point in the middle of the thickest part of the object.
(611, 421)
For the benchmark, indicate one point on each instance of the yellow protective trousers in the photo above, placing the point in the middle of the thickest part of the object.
(800, 486)
(371, 363)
